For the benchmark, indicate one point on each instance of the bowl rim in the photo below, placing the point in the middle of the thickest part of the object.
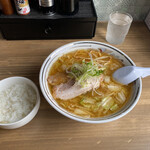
(36, 107)
(77, 118)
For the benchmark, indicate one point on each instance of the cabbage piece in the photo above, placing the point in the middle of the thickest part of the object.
(107, 102)
(88, 100)
(114, 107)
(121, 97)
(84, 104)
(114, 87)
(80, 112)
(96, 107)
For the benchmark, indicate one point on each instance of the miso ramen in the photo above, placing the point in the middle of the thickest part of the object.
(81, 82)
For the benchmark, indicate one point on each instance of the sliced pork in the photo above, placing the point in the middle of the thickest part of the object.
(73, 89)
(57, 79)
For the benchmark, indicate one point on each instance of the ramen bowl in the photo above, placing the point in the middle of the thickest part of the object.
(44, 72)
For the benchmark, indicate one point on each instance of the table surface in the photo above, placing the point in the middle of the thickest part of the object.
(51, 130)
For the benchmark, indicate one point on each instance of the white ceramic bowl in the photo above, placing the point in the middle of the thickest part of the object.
(10, 81)
(137, 85)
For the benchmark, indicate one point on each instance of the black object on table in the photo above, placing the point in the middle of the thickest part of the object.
(36, 25)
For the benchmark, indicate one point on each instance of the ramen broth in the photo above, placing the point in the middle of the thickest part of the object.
(108, 98)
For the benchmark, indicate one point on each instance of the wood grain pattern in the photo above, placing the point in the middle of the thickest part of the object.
(50, 130)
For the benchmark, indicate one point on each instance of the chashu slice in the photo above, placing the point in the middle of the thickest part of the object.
(71, 90)
(57, 78)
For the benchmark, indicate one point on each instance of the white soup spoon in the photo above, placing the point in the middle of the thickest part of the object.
(128, 74)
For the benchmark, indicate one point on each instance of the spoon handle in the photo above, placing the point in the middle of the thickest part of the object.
(144, 71)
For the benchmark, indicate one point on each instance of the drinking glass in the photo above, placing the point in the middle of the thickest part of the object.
(118, 27)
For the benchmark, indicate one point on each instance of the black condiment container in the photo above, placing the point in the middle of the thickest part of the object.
(68, 7)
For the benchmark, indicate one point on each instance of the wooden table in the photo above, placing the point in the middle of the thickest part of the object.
(50, 130)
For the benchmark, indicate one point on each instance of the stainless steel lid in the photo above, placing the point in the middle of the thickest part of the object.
(46, 3)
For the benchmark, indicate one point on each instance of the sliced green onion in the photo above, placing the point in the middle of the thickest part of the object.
(82, 72)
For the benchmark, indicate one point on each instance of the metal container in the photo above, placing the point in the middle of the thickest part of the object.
(47, 6)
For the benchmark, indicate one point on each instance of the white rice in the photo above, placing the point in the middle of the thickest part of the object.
(16, 102)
